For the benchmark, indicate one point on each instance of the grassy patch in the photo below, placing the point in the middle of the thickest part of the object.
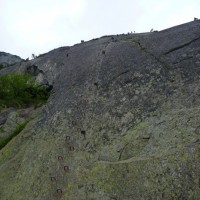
(20, 90)
(1, 130)
(18, 129)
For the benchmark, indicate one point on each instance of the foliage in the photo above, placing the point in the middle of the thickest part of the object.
(18, 129)
(2, 130)
(21, 90)
(1, 66)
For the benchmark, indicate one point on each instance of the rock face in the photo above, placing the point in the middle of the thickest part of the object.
(122, 122)
(7, 59)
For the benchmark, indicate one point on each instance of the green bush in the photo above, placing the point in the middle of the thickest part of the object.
(21, 90)
(1, 66)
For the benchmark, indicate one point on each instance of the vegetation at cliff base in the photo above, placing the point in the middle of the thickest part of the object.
(17, 130)
(21, 90)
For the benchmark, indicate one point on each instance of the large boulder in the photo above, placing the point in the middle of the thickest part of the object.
(122, 121)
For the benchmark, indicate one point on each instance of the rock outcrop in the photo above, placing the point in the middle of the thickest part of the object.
(122, 121)
(7, 59)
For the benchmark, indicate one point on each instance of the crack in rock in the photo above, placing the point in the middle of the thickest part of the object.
(181, 46)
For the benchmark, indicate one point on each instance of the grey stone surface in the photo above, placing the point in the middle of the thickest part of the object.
(123, 115)
(7, 59)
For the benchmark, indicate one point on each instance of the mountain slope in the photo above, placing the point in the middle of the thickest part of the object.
(122, 121)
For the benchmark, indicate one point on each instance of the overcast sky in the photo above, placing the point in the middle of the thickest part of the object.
(38, 26)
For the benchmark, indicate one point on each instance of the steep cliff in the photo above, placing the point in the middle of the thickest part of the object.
(122, 121)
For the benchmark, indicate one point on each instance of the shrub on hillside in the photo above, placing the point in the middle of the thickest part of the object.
(1, 66)
(21, 90)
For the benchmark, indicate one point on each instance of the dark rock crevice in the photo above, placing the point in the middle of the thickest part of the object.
(118, 75)
(148, 51)
(181, 46)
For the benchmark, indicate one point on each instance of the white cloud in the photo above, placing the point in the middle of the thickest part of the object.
(38, 26)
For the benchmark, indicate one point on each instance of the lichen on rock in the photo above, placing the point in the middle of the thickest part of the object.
(119, 125)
